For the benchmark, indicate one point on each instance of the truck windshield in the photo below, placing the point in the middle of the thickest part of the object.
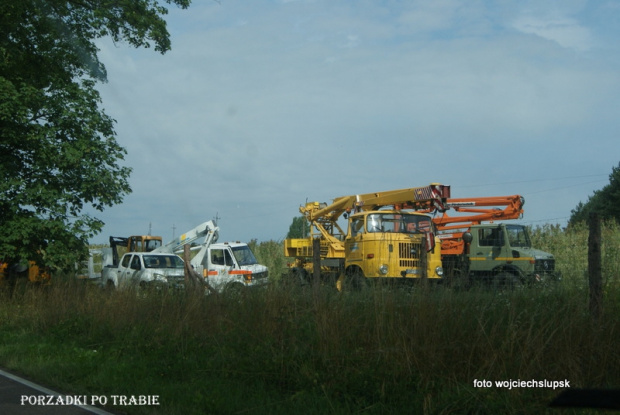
(244, 255)
(518, 236)
(152, 244)
(163, 261)
(400, 223)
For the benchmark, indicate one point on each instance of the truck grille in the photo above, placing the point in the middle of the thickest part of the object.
(409, 254)
(544, 265)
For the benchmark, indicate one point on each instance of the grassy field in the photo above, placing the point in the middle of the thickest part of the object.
(431, 350)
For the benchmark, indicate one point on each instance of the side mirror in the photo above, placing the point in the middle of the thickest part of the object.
(467, 237)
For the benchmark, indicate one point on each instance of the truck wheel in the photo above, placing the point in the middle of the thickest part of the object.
(507, 281)
(234, 291)
(354, 280)
(109, 286)
(145, 289)
(297, 277)
(458, 281)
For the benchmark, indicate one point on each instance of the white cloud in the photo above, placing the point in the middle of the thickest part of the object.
(422, 16)
(566, 22)
(566, 32)
(320, 99)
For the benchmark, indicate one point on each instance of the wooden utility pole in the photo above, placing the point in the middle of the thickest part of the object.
(595, 276)
(316, 261)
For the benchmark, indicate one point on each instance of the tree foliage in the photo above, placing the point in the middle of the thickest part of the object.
(58, 151)
(605, 202)
(300, 228)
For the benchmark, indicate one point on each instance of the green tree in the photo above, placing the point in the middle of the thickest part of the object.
(300, 228)
(605, 202)
(58, 151)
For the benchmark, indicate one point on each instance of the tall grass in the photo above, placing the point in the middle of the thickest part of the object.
(270, 254)
(314, 350)
(570, 248)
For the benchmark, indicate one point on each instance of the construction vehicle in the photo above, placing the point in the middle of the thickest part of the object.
(474, 247)
(24, 269)
(385, 239)
(136, 243)
(225, 266)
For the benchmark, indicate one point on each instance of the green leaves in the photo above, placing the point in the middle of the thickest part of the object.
(300, 228)
(605, 202)
(58, 148)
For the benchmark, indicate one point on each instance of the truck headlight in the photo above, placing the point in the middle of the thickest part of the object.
(160, 278)
(383, 269)
(439, 271)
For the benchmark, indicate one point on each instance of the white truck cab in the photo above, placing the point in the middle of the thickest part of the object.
(230, 265)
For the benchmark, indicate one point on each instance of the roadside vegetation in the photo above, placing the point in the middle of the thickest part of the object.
(279, 350)
(293, 350)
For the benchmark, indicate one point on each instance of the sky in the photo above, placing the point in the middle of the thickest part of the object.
(264, 105)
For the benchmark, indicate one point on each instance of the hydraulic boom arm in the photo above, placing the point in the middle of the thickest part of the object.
(207, 229)
(324, 217)
(427, 197)
(482, 209)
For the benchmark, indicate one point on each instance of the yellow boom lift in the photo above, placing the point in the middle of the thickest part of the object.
(384, 239)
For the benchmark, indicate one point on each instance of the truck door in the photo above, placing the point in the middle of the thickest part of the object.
(121, 270)
(488, 248)
(354, 243)
(129, 266)
(220, 264)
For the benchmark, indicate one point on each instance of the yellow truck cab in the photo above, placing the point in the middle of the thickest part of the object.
(392, 244)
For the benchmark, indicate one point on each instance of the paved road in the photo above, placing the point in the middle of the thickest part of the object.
(14, 390)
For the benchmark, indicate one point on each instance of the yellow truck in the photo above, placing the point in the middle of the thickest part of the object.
(386, 238)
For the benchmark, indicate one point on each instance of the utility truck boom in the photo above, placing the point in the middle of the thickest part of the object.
(383, 240)
(477, 246)
(207, 230)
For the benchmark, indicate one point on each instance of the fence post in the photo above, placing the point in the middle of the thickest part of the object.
(595, 277)
(193, 281)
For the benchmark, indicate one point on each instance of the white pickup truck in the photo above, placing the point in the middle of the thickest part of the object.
(145, 269)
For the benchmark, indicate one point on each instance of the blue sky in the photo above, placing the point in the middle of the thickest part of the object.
(264, 105)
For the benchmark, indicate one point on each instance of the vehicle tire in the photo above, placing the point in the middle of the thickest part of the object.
(507, 281)
(234, 291)
(297, 277)
(354, 280)
(459, 281)
(109, 286)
